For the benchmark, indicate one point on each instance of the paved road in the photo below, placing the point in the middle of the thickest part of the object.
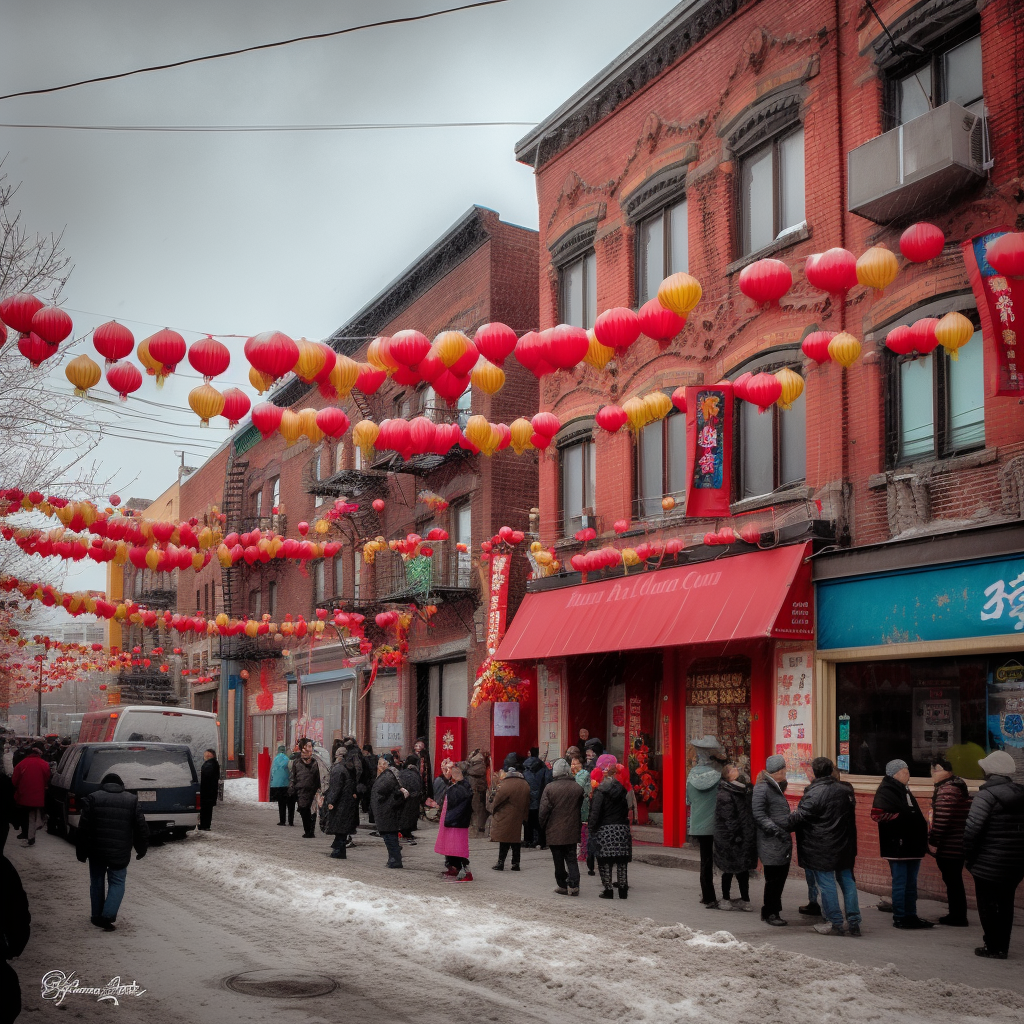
(250, 896)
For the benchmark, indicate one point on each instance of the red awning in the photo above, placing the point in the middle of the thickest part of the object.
(763, 594)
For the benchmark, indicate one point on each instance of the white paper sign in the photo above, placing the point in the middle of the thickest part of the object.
(506, 719)
(389, 734)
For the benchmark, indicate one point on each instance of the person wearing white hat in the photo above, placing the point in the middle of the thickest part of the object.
(994, 847)
(701, 797)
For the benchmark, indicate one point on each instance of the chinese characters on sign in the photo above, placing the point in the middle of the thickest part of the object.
(709, 449)
(794, 709)
(497, 602)
(1005, 596)
(551, 694)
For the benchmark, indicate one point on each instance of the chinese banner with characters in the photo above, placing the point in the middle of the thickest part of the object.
(449, 741)
(794, 709)
(497, 602)
(708, 450)
(551, 697)
(999, 300)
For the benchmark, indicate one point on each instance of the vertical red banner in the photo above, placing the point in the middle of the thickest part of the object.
(1000, 301)
(450, 741)
(497, 601)
(709, 450)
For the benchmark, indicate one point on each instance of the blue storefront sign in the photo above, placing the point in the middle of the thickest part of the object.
(944, 602)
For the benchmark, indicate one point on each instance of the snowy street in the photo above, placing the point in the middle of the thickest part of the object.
(250, 897)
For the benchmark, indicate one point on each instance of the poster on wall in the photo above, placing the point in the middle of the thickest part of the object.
(389, 734)
(936, 725)
(794, 710)
(497, 602)
(316, 731)
(506, 719)
(709, 450)
(550, 696)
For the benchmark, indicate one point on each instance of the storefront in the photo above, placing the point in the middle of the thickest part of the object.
(328, 704)
(649, 662)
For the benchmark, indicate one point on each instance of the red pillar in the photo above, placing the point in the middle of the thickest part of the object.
(673, 753)
(761, 707)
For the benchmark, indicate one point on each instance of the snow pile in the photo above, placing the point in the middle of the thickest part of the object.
(244, 791)
(532, 959)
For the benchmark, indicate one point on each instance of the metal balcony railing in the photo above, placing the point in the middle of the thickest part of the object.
(159, 598)
(249, 648)
(445, 574)
(144, 687)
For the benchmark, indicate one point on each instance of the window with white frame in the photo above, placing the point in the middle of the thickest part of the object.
(772, 190)
(578, 291)
(663, 248)
(578, 463)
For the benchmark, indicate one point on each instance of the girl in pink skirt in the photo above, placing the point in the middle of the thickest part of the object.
(453, 826)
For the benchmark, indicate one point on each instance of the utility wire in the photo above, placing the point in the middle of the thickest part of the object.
(251, 49)
(233, 128)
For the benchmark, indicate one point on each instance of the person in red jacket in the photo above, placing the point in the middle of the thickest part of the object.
(31, 777)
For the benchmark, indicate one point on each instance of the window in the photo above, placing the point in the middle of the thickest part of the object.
(272, 599)
(338, 577)
(936, 405)
(255, 604)
(579, 464)
(772, 447)
(206, 597)
(772, 190)
(663, 244)
(318, 579)
(464, 406)
(578, 291)
(464, 525)
(660, 464)
(275, 492)
(951, 74)
(198, 605)
(357, 572)
(257, 504)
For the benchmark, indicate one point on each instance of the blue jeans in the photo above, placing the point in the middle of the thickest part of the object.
(828, 883)
(812, 887)
(904, 888)
(106, 905)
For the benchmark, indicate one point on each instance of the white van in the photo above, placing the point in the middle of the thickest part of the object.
(198, 730)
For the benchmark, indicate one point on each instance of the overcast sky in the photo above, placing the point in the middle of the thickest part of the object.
(241, 233)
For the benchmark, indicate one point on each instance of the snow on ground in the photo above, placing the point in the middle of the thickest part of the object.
(244, 791)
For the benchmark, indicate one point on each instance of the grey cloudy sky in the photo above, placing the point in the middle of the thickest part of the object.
(241, 233)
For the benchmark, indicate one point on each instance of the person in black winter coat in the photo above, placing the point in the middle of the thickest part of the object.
(771, 811)
(994, 847)
(421, 752)
(538, 775)
(951, 803)
(902, 841)
(411, 780)
(735, 837)
(369, 777)
(209, 781)
(15, 925)
(339, 815)
(387, 801)
(112, 823)
(608, 831)
(304, 785)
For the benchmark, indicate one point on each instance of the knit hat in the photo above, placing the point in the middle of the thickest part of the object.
(605, 761)
(560, 769)
(774, 764)
(999, 762)
(895, 766)
(511, 760)
(280, 748)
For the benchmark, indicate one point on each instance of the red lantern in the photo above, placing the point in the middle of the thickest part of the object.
(124, 378)
(763, 390)
(35, 350)
(266, 418)
(303, 528)
(206, 356)
(766, 281)
(369, 379)
(834, 271)
(3, 335)
(332, 421)
(272, 353)
(422, 434)
(1005, 254)
(409, 347)
(323, 378)
(815, 346)
(610, 418)
(900, 340)
(679, 399)
(113, 341)
(167, 347)
(236, 405)
(531, 351)
(52, 324)
(564, 346)
(658, 323)
(922, 242)
(739, 385)
(17, 311)
(546, 424)
(615, 328)
(495, 342)
(923, 332)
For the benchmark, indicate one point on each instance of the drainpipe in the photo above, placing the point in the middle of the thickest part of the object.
(844, 385)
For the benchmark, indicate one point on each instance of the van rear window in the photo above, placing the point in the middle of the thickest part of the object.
(142, 769)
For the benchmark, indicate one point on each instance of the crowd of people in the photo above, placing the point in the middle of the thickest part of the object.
(738, 824)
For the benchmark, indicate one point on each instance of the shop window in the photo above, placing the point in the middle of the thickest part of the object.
(950, 73)
(464, 535)
(772, 447)
(318, 580)
(660, 465)
(578, 469)
(577, 287)
(662, 248)
(935, 405)
(916, 709)
(718, 703)
(772, 190)
(272, 599)
(255, 604)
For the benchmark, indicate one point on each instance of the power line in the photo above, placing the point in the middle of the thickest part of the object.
(233, 128)
(252, 49)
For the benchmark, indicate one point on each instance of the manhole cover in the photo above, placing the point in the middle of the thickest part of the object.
(274, 983)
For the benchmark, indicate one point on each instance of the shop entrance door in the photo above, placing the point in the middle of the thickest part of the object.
(615, 728)
(718, 703)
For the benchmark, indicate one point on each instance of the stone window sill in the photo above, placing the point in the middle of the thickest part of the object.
(784, 241)
(759, 501)
(934, 467)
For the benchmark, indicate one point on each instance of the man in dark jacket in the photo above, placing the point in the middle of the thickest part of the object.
(421, 752)
(111, 824)
(15, 922)
(994, 847)
(950, 806)
(411, 780)
(559, 816)
(209, 780)
(356, 764)
(387, 800)
(304, 786)
(369, 776)
(339, 815)
(825, 822)
(774, 843)
(538, 775)
(902, 841)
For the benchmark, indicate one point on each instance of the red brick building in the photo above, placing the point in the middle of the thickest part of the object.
(730, 132)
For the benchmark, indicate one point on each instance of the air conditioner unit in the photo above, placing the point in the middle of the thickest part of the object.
(917, 166)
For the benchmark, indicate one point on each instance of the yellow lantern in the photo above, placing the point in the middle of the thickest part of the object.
(844, 349)
(536, 546)
(680, 293)
(222, 619)
(450, 346)
(197, 561)
(364, 433)
(83, 374)
(522, 431)
(343, 376)
(877, 268)
(792, 387)
(251, 627)
(375, 356)
(290, 428)
(206, 402)
(478, 431)
(636, 413)
(668, 503)
(322, 526)
(307, 424)
(153, 366)
(630, 557)
(954, 330)
(260, 381)
(657, 405)
(153, 559)
(598, 356)
(543, 557)
(487, 377)
(310, 362)
(205, 538)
